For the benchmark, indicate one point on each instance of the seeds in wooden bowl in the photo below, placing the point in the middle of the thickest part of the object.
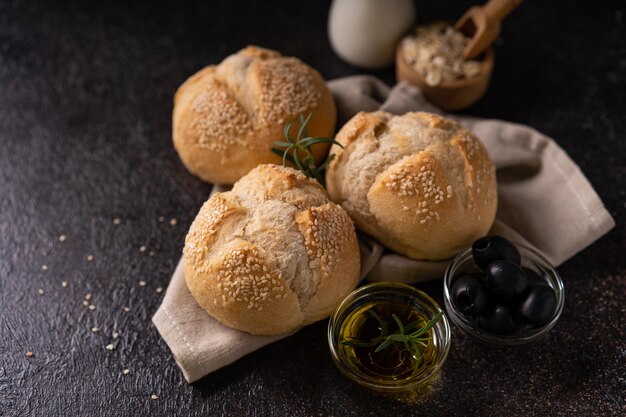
(436, 52)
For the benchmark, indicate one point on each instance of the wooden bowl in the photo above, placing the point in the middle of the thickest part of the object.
(450, 95)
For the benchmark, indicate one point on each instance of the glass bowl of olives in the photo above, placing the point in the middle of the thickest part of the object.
(503, 294)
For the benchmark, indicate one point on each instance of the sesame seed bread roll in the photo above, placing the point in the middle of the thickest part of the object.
(271, 255)
(227, 117)
(422, 185)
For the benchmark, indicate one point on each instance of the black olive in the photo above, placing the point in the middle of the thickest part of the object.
(494, 248)
(539, 305)
(469, 295)
(499, 320)
(507, 280)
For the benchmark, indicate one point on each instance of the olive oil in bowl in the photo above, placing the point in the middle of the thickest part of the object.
(389, 337)
(363, 332)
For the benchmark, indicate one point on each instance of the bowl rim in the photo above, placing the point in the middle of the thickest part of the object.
(377, 288)
(467, 326)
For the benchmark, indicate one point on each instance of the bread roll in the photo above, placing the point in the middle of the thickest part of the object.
(271, 255)
(422, 185)
(227, 117)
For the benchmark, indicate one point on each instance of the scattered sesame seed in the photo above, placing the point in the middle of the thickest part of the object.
(127, 309)
(173, 221)
(41, 291)
(161, 219)
(151, 253)
(154, 397)
(126, 371)
(62, 238)
(29, 354)
(64, 284)
(88, 296)
(85, 303)
(44, 267)
(89, 258)
(115, 335)
(95, 329)
(117, 221)
(92, 307)
(142, 283)
(110, 346)
(159, 290)
(142, 248)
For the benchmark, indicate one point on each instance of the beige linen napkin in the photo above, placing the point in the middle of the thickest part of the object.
(544, 200)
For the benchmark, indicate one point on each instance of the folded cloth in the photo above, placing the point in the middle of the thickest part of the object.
(544, 201)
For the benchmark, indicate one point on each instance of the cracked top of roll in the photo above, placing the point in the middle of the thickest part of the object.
(226, 117)
(271, 255)
(421, 184)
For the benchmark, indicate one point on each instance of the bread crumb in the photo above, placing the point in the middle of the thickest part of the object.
(110, 346)
(29, 354)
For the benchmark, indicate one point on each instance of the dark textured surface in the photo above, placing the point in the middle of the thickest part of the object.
(85, 103)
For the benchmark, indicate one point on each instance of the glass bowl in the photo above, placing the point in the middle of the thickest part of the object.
(397, 294)
(531, 259)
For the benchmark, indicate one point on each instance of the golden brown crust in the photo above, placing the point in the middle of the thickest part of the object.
(227, 117)
(272, 254)
(421, 184)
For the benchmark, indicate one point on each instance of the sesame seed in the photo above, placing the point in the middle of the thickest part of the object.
(64, 284)
(173, 221)
(41, 291)
(92, 307)
(89, 258)
(44, 267)
(126, 371)
(62, 238)
(95, 329)
(88, 296)
(151, 253)
(85, 303)
(142, 248)
(154, 397)
(110, 347)
(159, 290)
(126, 309)
(115, 335)
(29, 354)
(117, 221)
(161, 219)
(142, 283)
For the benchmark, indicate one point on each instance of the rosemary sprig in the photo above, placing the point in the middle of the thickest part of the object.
(298, 150)
(411, 336)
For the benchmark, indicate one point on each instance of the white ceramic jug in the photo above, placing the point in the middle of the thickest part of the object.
(365, 32)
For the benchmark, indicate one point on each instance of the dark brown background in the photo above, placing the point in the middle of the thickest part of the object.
(85, 103)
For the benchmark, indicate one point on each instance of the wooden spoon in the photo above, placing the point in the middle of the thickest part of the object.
(482, 25)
